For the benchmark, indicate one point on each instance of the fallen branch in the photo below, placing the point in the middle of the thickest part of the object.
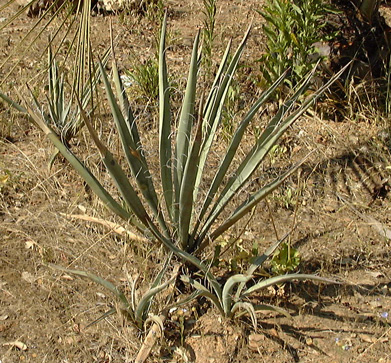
(156, 331)
(150, 340)
(116, 228)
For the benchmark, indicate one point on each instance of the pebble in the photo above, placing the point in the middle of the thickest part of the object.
(255, 340)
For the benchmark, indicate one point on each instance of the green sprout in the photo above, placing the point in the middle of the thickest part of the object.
(287, 259)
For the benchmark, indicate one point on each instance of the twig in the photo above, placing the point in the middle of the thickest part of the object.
(376, 341)
(272, 218)
(240, 233)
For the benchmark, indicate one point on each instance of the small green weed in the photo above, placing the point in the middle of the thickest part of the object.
(146, 76)
(9, 181)
(4, 180)
(285, 260)
(155, 11)
(150, 10)
(243, 256)
(286, 198)
(208, 33)
(277, 152)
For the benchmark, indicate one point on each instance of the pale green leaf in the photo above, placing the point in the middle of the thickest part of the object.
(165, 125)
(286, 278)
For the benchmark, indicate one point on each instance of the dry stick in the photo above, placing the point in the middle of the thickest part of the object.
(294, 223)
(272, 218)
(150, 340)
(155, 331)
(299, 191)
(113, 226)
(376, 341)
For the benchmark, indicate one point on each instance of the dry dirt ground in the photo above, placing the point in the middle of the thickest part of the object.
(44, 313)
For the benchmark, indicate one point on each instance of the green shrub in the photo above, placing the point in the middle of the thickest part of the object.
(293, 29)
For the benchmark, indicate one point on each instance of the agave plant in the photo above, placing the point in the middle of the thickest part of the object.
(176, 215)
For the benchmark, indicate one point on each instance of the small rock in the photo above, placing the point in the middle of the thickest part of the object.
(375, 304)
(385, 290)
(255, 340)
(70, 340)
(376, 274)
(330, 206)
(17, 344)
(67, 277)
(385, 13)
(27, 276)
(367, 338)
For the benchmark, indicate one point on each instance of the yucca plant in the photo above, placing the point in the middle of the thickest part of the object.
(229, 305)
(63, 113)
(368, 8)
(69, 21)
(176, 215)
(136, 312)
(73, 23)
